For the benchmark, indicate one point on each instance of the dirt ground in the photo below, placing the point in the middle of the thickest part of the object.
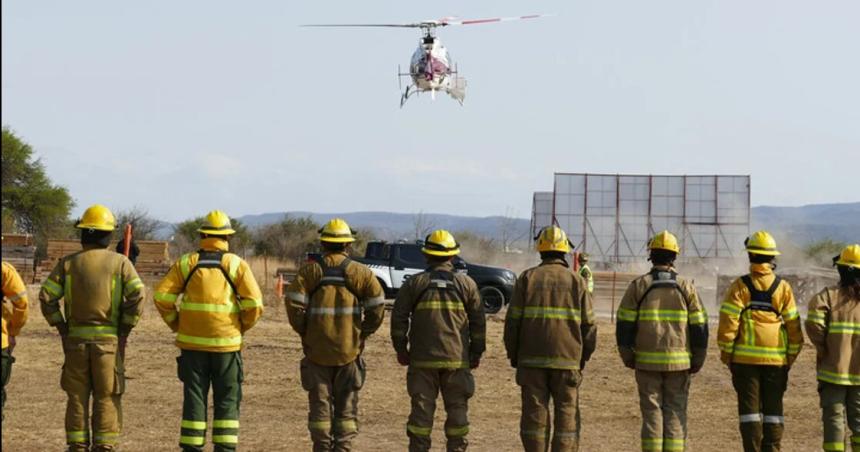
(274, 406)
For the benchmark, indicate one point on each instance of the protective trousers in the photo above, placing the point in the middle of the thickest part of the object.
(538, 386)
(92, 369)
(332, 403)
(6, 370)
(760, 390)
(424, 386)
(837, 401)
(223, 371)
(663, 401)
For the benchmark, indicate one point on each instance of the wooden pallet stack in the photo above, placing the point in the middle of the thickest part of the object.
(153, 260)
(19, 250)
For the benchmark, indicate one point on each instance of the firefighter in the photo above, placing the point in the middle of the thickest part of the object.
(585, 271)
(662, 333)
(334, 304)
(832, 323)
(549, 335)
(760, 336)
(102, 296)
(438, 330)
(220, 301)
(15, 310)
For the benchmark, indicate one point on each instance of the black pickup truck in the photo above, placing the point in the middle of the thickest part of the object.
(392, 263)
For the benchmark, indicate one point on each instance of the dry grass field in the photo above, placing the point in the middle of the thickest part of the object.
(274, 405)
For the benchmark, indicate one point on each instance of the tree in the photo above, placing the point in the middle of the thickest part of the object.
(509, 235)
(288, 239)
(422, 225)
(142, 224)
(186, 238)
(31, 203)
(821, 252)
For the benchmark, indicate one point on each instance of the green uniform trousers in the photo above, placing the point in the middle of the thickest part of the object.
(6, 370)
(223, 371)
(760, 390)
(424, 386)
(837, 403)
(663, 402)
(538, 387)
(97, 370)
(332, 403)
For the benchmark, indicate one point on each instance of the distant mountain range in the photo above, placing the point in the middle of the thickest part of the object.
(801, 225)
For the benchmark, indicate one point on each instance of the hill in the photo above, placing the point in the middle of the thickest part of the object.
(805, 224)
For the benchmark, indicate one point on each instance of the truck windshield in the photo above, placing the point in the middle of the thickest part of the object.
(411, 255)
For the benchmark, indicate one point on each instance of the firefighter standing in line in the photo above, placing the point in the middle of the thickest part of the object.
(585, 271)
(15, 310)
(325, 304)
(102, 296)
(760, 337)
(549, 335)
(438, 330)
(662, 332)
(832, 324)
(220, 301)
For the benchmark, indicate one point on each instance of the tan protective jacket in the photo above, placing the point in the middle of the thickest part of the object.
(662, 326)
(550, 321)
(438, 319)
(101, 295)
(15, 304)
(327, 311)
(211, 316)
(759, 332)
(833, 327)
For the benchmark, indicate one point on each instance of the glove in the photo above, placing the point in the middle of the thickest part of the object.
(403, 359)
(11, 344)
(123, 341)
(791, 359)
(63, 329)
(628, 357)
(695, 369)
(514, 363)
(474, 363)
(726, 358)
(361, 346)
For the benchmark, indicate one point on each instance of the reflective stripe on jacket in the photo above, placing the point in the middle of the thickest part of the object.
(15, 304)
(833, 327)
(206, 314)
(101, 295)
(334, 322)
(550, 321)
(665, 330)
(438, 319)
(753, 336)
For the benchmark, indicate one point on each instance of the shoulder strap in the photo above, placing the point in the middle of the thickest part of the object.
(210, 259)
(332, 276)
(442, 281)
(660, 279)
(761, 300)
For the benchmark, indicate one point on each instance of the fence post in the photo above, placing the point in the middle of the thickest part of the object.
(612, 313)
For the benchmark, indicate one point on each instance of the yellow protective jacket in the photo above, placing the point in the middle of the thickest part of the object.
(550, 320)
(101, 295)
(218, 298)
(833, 327)
(759, 328)
(325, 306)
(15, 304)
(438, 319)
(662, 326)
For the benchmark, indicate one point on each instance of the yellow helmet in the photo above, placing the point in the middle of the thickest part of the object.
(664, 240)
(761, 242)
(553, 238)
(216, 223)
(97, 217)
(440, 243)
(849, 257)
(336, 231)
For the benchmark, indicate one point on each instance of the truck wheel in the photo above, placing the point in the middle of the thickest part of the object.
(493, 299)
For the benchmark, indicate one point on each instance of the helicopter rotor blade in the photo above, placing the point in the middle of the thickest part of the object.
(447, 21)
(365, 25)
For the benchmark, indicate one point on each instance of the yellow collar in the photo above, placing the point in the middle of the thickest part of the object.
(214, 244)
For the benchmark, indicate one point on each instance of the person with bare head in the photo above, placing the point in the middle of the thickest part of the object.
(550, 333)
(760, 337)
(833, 324)
(662, 333)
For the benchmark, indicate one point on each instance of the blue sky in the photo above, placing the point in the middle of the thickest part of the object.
(182, 107)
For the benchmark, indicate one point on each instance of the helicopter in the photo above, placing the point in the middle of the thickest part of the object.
(431, 68)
